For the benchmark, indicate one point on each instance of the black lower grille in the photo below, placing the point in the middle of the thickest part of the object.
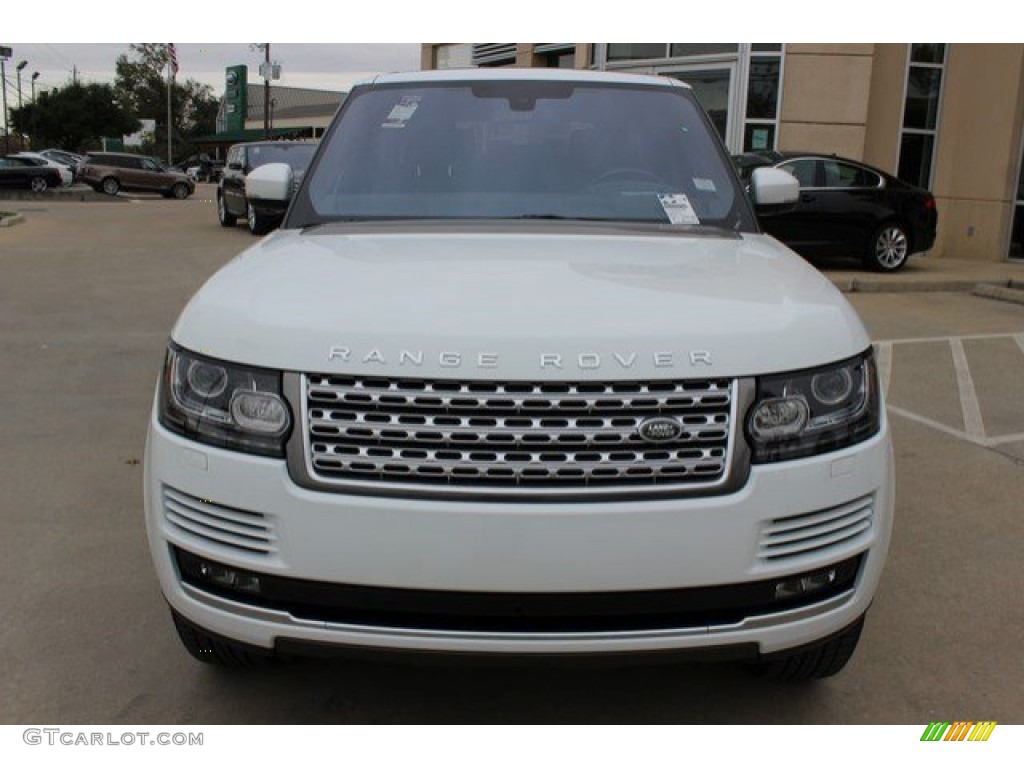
(517, 612)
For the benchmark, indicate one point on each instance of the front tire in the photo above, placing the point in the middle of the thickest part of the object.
(258, 223)
(819, 661)
(218, 651)
(180, 191)
(889, 248)
(110, 186)
(225, 217)
(38, 184)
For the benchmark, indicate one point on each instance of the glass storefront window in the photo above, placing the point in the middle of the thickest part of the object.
(702, 49)
(928, 53)
(711, 87)
(758, 136)
(626, 51)
(916, 159)
(922, 107)
(738, 84)
(763, 89)
(1017, 233)
(1017, 236)
(623, 51)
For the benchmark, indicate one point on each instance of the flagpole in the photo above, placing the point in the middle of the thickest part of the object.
(169, 76)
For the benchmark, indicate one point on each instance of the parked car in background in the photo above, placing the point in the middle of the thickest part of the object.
(232, 201)
(67, 178)
(70, 159)
(847, 208)
(29, 173)
(110, 172)
(200, 168)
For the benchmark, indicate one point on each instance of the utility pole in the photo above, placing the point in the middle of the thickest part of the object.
(266, 91)
(5, 54)
(35, 75)
(270, 71)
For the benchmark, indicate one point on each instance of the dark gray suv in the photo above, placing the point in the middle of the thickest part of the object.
(263, 215)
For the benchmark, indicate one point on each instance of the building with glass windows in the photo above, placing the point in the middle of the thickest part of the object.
(947, 117)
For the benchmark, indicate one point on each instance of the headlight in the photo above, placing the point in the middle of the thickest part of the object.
(223, 404)
(810, 412)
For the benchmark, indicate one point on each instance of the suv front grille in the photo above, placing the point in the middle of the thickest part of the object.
(514, 435)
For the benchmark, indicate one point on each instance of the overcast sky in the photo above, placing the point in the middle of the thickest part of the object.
(337, 65)
(331, 66)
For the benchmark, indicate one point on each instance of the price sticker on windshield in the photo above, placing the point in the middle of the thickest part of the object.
(678, 209)
(401, 113)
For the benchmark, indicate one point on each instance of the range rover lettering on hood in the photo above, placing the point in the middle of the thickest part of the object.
(586, 361)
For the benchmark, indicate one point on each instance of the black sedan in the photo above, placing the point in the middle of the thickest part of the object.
(28, 173)
(846, 208)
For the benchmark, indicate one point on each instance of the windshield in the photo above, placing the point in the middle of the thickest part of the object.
(296, 155)
(523, 149)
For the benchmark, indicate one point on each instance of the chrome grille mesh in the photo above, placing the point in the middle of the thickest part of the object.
(513, 434)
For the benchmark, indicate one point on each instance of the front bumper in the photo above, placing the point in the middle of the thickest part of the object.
(245, 512)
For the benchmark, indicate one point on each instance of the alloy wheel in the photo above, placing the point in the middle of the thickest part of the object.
(891, 247)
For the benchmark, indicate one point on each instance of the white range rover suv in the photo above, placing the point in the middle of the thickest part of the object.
(520, 375)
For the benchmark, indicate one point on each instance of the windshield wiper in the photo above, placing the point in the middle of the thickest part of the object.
(559, 217)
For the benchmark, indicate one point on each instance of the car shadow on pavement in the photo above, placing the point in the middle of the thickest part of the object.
(313, 691)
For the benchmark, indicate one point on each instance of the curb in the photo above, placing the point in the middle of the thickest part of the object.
(69, 195)
(10, 221)
(918, 286)
(1013, 293)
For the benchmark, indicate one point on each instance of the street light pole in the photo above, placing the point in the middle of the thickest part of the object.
(20, 67)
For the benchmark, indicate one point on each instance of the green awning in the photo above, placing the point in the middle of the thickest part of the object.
(250, 134)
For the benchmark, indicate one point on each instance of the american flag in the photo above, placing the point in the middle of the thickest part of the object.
(172, 56)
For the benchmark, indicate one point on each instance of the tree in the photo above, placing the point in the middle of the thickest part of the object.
(73, 117)
(141, 87)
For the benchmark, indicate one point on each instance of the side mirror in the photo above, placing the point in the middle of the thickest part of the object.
(771, 186)
(272, 181)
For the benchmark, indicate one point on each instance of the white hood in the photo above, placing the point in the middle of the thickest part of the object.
(528, 304)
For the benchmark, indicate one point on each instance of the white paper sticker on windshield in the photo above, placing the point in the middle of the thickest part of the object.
(401, 113)
(678, 209)
(704, 185)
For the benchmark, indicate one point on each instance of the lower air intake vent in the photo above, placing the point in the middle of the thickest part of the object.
(832, 528)
(250, 532)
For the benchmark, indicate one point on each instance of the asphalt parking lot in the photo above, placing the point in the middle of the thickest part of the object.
(88, 295)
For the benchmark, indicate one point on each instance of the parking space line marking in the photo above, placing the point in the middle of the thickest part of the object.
(986, 442)
(1002, 439)
(973, 423)
(925, 339)
(1019, 338)
(884, 366)
(934, 424)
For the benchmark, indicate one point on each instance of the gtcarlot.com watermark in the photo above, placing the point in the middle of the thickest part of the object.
(63, 737)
